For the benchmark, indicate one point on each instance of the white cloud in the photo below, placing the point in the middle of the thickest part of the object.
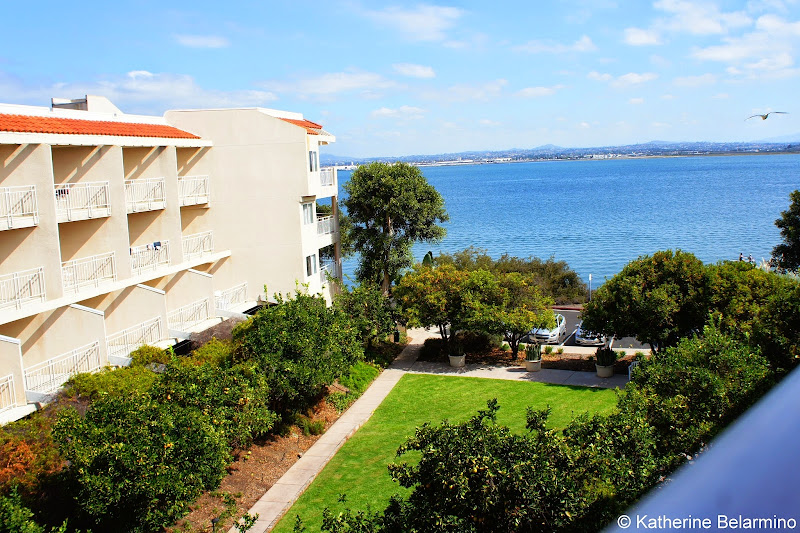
(661, 125)
(536, 92)
(422, 23)
(139, 91)
(633, 78)
(402, 112)
(599, 77)
(202, 41)
(721, 96)
(700, 18)
(695, 81)
(636, 101)
(328, 85)
(487, 122)
(414, 71)
(466, 92)
(667, 97)
(640, 37)
(584, 125)
(584, 44)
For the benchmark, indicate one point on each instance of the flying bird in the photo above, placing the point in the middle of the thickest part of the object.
(764, 117)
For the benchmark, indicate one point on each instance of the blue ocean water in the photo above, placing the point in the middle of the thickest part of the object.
(599, 215)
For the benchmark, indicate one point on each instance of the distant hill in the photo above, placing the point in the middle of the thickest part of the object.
(787, 144)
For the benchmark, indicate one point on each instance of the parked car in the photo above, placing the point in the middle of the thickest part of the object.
(550, 336)
(588, 338)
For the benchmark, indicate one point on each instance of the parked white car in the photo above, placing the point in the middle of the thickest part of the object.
(551, 336)
(588, 338)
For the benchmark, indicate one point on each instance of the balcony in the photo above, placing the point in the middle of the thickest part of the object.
(82, 201)
(145, 195)
(328, 269)
(8, 393)
(149, 256)
(122, 343)
(193, 190)
(326, 225)
(20, 288)
(88, 272)
(189, 315)
(230, 297)
(18, 207)
(327, 177)
(48, 376)
(197, 245)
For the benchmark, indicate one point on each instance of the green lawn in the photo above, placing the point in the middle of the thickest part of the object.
(359, 468)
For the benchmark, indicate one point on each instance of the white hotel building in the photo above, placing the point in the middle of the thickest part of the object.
(119, 230)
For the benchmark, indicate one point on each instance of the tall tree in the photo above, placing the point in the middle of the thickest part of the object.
(390, 206)
(788, 253)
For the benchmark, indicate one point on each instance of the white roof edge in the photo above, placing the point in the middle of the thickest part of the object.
(40, 111)
(275, 113)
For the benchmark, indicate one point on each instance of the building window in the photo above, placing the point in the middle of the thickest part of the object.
(311, 265)
(308, 213)
(313, 161)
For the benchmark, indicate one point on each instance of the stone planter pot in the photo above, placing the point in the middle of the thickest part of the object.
(604, 371)
(533, 366)
(456, 361)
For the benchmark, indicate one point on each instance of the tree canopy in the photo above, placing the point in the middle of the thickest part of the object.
(389, 208)
(788, 252)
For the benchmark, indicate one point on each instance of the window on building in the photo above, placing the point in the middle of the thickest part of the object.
(308, 213)
(313, 161)
(311, 264)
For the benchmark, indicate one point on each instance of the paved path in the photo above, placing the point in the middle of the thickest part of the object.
(280, 497)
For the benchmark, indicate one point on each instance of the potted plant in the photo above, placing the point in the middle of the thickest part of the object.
(605, 358)
(533, 357)
(456, 355)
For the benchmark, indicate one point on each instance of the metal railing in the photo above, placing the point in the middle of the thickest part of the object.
(88, 271)
(326, 225)
(145, 194)
(198, 244)
(189, 315)
(81, 201)
(193, 190)
(18, 207)
(326, 269)
(18, 288)
(229, 297)
(327, 177)
(48, 376)
(149, 256)
(8, 394)
(122, 343)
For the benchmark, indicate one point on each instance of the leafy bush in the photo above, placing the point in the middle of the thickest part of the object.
(28, 454)
(135, 464)
(235, 400)
(16, 518)
(301, 346)
(120, 382)
(309, 426)
(359, 377)
(144, 355)
(605, 356)
(214, 352)
(369, 311)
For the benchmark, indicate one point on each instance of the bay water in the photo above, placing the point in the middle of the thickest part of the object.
(597, 215)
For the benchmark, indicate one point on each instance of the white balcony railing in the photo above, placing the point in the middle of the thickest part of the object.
(48, 376)
(18, 207)
(8, 394)
(19, 288)
(327, 269)
(189, 315)
(122, 343)
(145, 194)
(229, 297)
(82, 201)
(88, 272)
(193, 190)
(325, 225)
(197, 245)
(327, 177)
(149, 256)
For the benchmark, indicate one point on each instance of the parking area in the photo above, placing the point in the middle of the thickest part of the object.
(572, 319)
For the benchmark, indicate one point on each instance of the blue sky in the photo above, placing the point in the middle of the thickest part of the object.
(392, 78)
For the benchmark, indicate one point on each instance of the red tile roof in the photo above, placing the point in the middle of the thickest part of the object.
(311, 127)
(70, 126)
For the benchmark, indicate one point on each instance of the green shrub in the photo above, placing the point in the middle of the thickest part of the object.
(214, 352)
(548, 349)
(235, 400)
(135, 464)
(144, 355)
(309, 426)
(120, 382)
(605, 356)
(432, 349)
(359, 377)
(16, 518)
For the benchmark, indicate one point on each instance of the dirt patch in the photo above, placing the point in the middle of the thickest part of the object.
(222, 331)
(251, 474)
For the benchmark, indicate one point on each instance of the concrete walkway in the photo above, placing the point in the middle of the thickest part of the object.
(282, 495)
